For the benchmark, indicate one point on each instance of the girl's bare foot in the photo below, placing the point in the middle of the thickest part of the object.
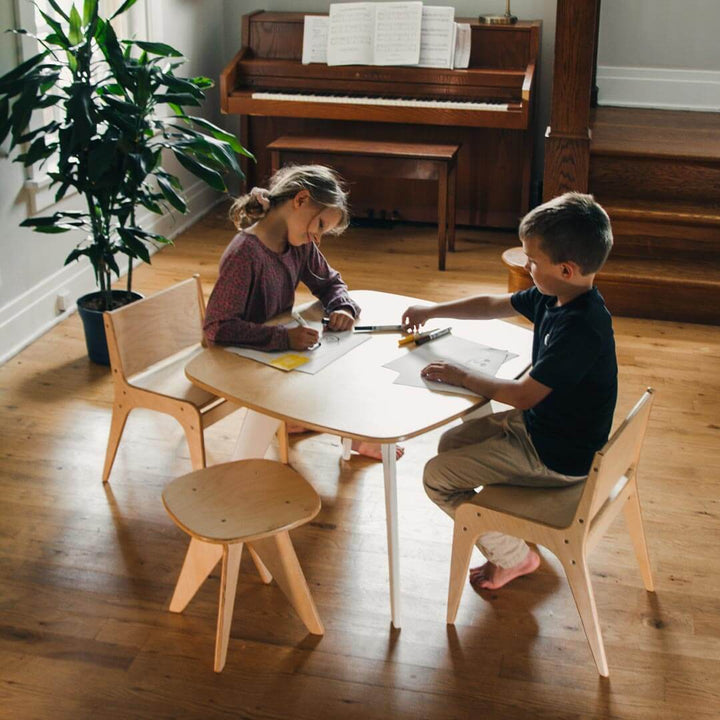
(373, 450)
(492, 577)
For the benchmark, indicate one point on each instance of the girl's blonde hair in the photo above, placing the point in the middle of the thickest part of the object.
(325, 186)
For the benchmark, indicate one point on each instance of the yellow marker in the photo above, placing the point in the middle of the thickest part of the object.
(289, 362)
(406, 340)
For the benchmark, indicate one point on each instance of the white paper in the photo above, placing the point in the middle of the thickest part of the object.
(315, 39)
(332, 346)
(457, 350)
(369, 33)
(437, 37)
(397, 33)
(350, 33)
(463, 37)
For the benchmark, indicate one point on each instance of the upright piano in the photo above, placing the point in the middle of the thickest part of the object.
(487, 109)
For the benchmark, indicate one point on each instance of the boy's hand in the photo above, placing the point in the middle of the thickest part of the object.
(302, 338)
(340, 320)
(445, 373)
(415, 317)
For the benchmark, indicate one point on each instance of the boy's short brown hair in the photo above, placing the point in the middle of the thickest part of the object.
(571, 228)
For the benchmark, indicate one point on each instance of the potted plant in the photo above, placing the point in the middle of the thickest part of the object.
(120, 106)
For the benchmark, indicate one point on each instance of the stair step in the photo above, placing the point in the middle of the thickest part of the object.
(685, 289)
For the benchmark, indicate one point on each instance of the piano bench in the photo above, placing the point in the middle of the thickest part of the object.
(406, 161)
(514, 260)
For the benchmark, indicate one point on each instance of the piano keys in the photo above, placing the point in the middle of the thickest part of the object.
(487, 109)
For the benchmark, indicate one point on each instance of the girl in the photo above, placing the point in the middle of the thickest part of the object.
(280, 229)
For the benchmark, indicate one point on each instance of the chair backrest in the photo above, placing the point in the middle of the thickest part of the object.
(619, 458)
(149, 330)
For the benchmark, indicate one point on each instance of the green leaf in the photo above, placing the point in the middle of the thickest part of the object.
(210, 176)
(20, 70)
(90, 9)
(177, 98)
(158, 48)
(221, 134)
(75, 34)
(171, 195)
(123, 8)
(133, 243)
(203, 82)
(58, 10)
(55, 25)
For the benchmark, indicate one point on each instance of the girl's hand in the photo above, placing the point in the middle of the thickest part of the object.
(340, 320)
(415, 317)
(302, 338)
(445, 373)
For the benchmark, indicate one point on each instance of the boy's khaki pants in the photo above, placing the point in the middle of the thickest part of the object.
(495, 449)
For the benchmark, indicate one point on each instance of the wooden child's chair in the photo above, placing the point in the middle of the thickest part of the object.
(221, 507)
(568, 521)
(150, 341)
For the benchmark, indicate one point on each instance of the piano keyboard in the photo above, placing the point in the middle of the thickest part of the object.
(392, 102)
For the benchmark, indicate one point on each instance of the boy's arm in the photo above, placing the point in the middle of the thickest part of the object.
(523, 393)
(478, 307)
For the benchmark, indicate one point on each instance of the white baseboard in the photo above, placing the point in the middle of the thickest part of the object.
(661, 88)
(33, 313)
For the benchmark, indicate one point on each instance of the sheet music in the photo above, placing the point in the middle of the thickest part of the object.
(350, 34)
(437, 37)
(315, 39)
(397, 33)
(463, 37)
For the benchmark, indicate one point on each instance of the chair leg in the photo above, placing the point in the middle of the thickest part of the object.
(228, 585)
(283, 443)
(200, 560)
(578, 577)
(462, 547)
(117, 425)
(633, 517)
(196, 443)
(263, 572)
(278, 554)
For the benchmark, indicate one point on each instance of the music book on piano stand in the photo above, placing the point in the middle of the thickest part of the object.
(368, 33)
(315, 39)
(437, 37)
(463, 37)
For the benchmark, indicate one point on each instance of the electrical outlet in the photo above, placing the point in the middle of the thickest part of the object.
(62, 302)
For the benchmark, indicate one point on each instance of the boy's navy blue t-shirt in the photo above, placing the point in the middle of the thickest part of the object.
(574, 354)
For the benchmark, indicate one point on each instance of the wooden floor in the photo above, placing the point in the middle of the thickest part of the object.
(87, 572)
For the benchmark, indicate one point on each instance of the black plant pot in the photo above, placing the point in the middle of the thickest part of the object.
(92, 319)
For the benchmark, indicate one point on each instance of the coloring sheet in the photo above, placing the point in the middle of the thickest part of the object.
(457, 350)
(332, 346)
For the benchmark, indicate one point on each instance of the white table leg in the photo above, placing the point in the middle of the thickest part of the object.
(391, 519)
(256, 434)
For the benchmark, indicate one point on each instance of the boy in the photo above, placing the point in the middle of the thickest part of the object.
(563, 405)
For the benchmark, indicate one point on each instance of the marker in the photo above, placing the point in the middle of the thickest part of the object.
(433, 335)
(408, 339)
(300, 320)
(378, 328)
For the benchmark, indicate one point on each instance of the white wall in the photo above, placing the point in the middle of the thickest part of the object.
(660, 53)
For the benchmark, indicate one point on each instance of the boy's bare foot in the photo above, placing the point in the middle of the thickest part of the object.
(373, 450)
(294, 428)
(492, 577)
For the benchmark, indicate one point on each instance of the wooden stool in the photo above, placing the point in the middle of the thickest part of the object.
(514, 260)
(247, 501)
(406, 161)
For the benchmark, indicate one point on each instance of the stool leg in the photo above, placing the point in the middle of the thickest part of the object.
(263, 572)
(442, 215)
(283, 443)
(278, 554)
(228, 585)
(452, 184)
(200, 560)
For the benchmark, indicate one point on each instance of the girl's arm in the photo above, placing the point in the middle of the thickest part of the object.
(326, 284)
(224, 317)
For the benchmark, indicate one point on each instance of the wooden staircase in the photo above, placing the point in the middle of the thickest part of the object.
(657, 173)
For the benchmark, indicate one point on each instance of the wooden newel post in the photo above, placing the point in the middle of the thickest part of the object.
(567, 139)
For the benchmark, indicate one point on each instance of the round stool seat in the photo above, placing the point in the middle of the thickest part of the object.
(519, 278)
(240, 501)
